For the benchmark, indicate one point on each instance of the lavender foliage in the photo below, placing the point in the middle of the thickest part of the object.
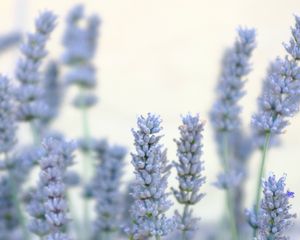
(189, 170)
(149, 192)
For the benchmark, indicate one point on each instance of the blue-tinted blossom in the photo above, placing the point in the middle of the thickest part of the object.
(81, 72)
(29, 94)
(274, 214)
(48, 206)
(236, 65)
(106, 190)
(7, 116)
(9, 40)
(149, 190)
(281, 91)
(189, 170)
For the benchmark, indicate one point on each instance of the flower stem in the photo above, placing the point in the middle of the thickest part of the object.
(229, 199)
(86, 164)
(261, 174)
(185, 210)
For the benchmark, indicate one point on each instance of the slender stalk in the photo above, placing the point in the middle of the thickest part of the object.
(17, 203)
(229, 199)
(185, 210)
(36, 137)
(86, 164)
(261, 174)
(157, 237)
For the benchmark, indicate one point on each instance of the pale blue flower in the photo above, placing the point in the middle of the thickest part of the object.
(149, 191)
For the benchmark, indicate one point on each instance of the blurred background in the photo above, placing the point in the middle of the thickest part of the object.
(163, 56)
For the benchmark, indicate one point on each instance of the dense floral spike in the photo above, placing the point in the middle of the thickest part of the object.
(29, 93)
(225, 112)
(189, 170)
(274, 216)
(8, 40)
(149, 190)
(281, 91)
(81, 71)
(106, 189)
(7, 116)
(48, 206)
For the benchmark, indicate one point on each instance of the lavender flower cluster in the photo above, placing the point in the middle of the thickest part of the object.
(55, 189)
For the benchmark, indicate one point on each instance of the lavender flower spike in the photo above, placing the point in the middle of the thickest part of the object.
(189, 171)
(274, 215)
(225, 112)
(48, 206)
(7, 116)
(30, 93)
(106, 189)
(281, 91)
(149, 190)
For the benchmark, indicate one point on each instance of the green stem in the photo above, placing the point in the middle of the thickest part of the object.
(261, 174)
(35, 135)
(229, 199)
(17, 203)
(86, 163)
(157, 237)
(185, 210)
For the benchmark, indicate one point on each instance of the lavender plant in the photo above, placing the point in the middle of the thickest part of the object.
(46, 210)
(225, 113)
(29, 93)
(106, 189)
(274, 214)
(149, 192)
(82, 73)
(279, 100)
(48, 205)
(189, 173)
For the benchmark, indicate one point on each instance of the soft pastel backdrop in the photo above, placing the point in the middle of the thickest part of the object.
(163, 56)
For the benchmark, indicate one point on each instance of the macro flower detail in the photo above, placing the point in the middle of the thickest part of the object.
(274, 213)
(149, 190)
(189, 171)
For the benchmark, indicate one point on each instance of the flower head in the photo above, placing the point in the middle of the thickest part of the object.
(274, 214)
(149, 190)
